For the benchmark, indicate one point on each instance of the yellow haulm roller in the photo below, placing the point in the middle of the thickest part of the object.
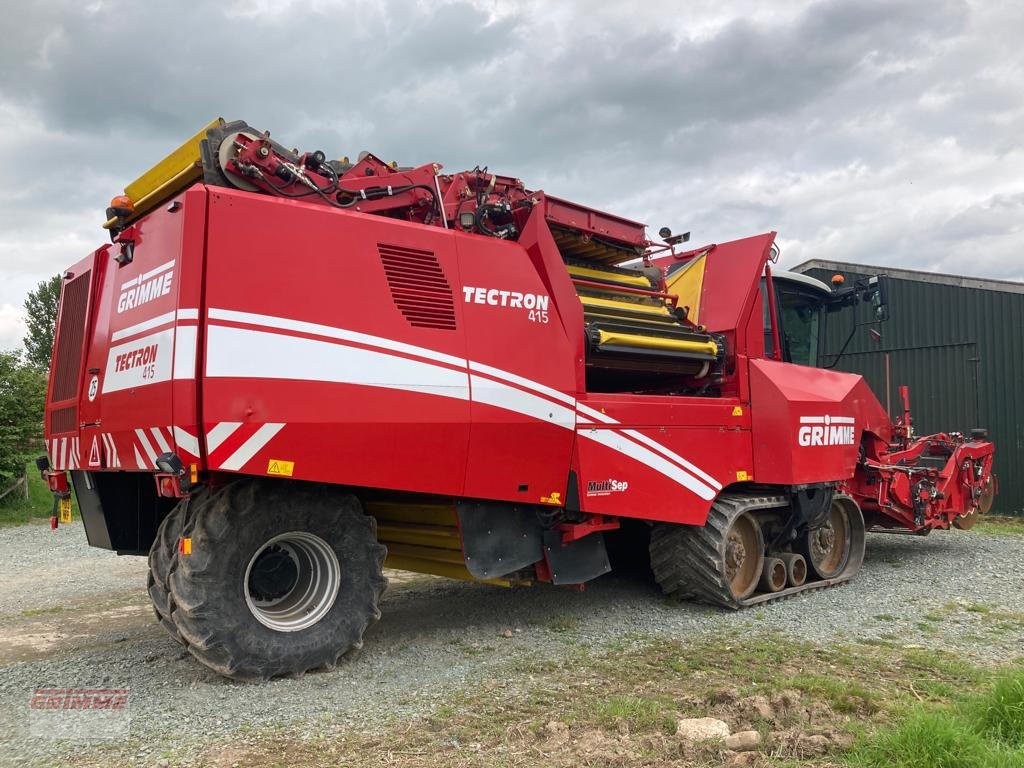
(605, 275)
(631, 306)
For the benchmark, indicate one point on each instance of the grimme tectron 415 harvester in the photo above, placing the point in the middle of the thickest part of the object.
(286, 373)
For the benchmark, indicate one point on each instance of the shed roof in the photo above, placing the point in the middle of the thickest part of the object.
(960, 281)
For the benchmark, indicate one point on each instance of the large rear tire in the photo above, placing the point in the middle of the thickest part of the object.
(283, 578)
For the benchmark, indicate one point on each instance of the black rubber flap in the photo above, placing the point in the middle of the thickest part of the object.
(498, 539)
(575, 563)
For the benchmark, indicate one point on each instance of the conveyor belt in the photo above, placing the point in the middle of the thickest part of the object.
(631, 326)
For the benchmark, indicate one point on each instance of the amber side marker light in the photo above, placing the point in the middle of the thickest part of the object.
(838, 280)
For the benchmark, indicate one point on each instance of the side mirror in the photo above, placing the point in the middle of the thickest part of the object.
(879, 293)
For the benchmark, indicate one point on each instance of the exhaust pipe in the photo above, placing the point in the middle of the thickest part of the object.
(796, 568)
(773, 575)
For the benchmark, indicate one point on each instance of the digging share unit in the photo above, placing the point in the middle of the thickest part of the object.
(285, 373)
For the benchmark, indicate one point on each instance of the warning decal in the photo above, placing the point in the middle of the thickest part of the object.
(94, 453)
(281, 468)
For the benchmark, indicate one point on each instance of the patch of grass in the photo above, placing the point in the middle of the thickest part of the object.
(1000, 525)
(884, 617)
(1000, 714)
(981, 731)
(846, 696)
(563, 624)
(978, 608)
(15, 509)
(42, 611)
(926, 739)
(640, 713)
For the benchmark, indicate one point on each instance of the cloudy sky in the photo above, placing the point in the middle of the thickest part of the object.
(885, 132)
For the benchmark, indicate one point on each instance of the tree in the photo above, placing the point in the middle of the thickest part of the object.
(22, 394)
(41, 308)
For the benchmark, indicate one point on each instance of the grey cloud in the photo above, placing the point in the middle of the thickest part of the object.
(855, 128)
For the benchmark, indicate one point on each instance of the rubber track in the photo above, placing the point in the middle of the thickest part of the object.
(689, 561)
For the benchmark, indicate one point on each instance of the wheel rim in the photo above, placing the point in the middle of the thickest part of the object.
(828, 546)
(744, 556)
(291, 581)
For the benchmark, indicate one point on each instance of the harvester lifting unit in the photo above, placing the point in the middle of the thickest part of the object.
(286, 373)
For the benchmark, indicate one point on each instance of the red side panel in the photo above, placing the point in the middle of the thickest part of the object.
(522, 375)
(731, 280)
(335, 348)
(808, 422)
(63, 414)
(659, 458)
(137, 395)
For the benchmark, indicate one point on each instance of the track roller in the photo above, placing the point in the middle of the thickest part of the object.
(796, 568)
(773, 575)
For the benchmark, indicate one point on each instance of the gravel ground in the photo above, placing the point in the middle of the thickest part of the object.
(71, 616)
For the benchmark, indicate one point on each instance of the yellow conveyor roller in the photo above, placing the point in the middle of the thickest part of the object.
(657, 342)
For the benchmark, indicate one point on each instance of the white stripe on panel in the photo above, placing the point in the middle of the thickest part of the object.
(334, 333)
(157, 270)
(161, 441)
(509, 398)
(674, 457)
(185, 352)
(138, 458)
(145, 325)
(523, 382)
(144, 441)
(186, 442)
(219, 434)
(625, 446)
(188, 314)
(251, 447)
(239, 353)
(595, 415)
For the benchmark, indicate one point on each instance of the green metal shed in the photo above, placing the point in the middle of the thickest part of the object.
(957, 342)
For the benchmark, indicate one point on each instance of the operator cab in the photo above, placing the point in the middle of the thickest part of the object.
(800, 304)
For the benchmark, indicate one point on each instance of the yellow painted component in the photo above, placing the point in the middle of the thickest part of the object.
(555, 497)
(737, 410)
(649, 309)
(424, 514)
(451, 556)
(280, 467)
(741, 474)
(657, 342)
(185, 546)
(172, 174)
(448, 570)
(687, 284)
(589, 273)
(419, 535)
(64, 506)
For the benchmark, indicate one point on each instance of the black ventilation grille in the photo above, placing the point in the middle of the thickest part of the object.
(70, 335)
(63, 420)
(418, 286)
